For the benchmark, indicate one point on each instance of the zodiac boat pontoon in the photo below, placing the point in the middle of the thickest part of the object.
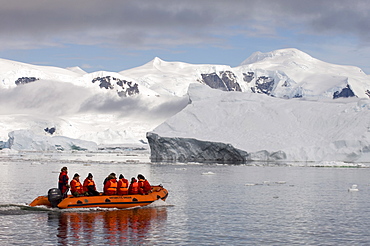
(54, 199)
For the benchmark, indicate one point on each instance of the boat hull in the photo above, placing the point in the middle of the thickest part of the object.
(104, 201)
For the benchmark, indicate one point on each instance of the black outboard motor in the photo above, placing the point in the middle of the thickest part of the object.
(54, 197)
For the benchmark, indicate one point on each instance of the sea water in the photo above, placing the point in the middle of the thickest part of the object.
(208, 204)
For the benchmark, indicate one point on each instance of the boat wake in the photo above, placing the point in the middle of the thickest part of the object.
(159, 203)
(14, 209)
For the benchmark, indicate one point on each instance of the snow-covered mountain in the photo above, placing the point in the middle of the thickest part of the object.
(286, 73)
(309, 77)
(119, 108)
(104, 107)
(14, 73)
(171, 78)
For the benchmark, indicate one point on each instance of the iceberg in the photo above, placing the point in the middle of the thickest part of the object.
(29, 141)
(256, 127)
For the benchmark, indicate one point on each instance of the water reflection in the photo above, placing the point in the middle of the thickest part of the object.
(116, 227)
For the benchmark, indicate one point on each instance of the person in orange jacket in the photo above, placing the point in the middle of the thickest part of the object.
(89, 186)
(144, 186)
(110, 187)
(134, 187)
(122, 187)
(108, 178)
(63, 181)
(76, 187)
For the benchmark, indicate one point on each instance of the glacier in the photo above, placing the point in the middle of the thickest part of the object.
(260, 128)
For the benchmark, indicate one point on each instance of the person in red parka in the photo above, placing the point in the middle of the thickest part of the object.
(110, 187)
(122, 187)
(134, 187)
(144, 186)
(63, 181)
(76, 186)
(89, 186)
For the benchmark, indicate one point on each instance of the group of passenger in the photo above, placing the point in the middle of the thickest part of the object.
(111, 185)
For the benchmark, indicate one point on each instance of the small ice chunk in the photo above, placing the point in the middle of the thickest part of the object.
(208, 173)
(353, 188)
(280, 182)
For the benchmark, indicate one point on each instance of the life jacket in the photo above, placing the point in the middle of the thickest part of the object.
(144, 185)
(141, 182)
(63, 182)
(87, 183)
(122, 188)
(61, 179)
(134, 188)
(76, 187)
(111, 187)
(141, 186)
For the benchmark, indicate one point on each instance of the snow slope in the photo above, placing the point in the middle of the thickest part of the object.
(170, 78)
(314, 77)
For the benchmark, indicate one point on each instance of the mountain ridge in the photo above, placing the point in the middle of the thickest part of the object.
(285, 73)
(286, 53)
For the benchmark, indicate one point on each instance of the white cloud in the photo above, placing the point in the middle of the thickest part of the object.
(43, 97)
(55, 99)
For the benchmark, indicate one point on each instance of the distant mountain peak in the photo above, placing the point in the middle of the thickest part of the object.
(281, 53)
(157, 61)
(77, 70)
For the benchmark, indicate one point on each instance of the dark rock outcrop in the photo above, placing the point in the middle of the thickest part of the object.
(25, 80)
(230, 81)
(248, 76)
(345, 92)
(213, 81)
(50, 130)
(225, 81)
(124, 88)
(264, 85)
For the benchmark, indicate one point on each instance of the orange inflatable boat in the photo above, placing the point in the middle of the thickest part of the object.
(54, 199)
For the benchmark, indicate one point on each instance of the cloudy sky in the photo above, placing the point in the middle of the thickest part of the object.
(115, 35)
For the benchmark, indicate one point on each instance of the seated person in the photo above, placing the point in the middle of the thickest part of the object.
(108, 177)
(110, 187)
(89, 186)
(76, 187)
(122, 187)
(134, 187)
(144, 186)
